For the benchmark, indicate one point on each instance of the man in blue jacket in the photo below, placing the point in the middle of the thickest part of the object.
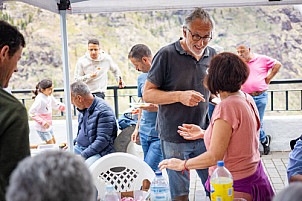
(97, 127)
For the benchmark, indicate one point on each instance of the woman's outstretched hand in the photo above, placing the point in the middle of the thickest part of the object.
(190, 131)
(173, 164)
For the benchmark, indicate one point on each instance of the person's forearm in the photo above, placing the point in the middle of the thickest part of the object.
(138, 119)
(83, 78)
(274, 71)
(202, 161)
(160, 97)
(296, 178)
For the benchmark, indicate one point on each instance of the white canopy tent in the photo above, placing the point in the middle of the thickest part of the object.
(64, 7)
(98, 6)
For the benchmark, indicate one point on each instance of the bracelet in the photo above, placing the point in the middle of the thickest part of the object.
(186, 168)
(185, 165)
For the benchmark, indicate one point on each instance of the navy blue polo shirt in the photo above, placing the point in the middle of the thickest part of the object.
(174, 69)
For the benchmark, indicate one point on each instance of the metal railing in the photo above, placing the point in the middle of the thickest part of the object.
(286, 95)
(116, 96)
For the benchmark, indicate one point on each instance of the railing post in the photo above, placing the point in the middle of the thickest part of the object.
(116, 102)
(286, 100)
(272, 101)
(62, 113)
(74, 110)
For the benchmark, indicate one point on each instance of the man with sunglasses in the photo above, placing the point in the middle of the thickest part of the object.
(92, 69)
(175, 83)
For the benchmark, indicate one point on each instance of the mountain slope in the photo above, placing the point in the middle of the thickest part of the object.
(273, 31)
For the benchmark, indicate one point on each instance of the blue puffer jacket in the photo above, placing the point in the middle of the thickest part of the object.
(101, 127)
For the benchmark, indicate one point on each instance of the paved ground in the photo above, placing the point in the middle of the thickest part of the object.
(274, 164)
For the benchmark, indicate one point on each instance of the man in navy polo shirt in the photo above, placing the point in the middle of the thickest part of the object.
(175, 83)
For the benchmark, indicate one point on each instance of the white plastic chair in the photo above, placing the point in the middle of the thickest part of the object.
(124, 171)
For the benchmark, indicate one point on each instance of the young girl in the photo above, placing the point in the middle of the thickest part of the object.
(41, 110)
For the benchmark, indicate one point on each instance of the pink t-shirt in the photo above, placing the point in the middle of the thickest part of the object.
(259, 66)
(242, 155)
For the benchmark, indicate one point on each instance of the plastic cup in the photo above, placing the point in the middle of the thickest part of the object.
(140, 195)
(200, 195)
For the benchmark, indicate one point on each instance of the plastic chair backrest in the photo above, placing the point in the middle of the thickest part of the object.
(124, 171)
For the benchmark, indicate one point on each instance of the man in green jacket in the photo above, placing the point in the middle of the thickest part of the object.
(14, 130)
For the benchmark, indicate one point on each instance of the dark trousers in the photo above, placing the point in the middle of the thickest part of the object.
(100, 94)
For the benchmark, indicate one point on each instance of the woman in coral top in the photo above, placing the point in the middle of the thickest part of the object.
(41, 111)
(233, 133)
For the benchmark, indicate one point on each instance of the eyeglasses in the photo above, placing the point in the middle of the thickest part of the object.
(198, 37)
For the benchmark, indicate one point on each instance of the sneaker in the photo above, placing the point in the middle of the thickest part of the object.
(266, 144)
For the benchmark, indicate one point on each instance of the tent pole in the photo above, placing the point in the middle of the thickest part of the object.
(66, 79)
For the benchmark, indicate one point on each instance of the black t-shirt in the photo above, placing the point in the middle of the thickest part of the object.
(174, 69)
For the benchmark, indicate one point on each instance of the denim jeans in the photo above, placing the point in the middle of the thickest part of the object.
(179, 183)
(152, 150)
(89, 161)
(46, 136)
(261, 102)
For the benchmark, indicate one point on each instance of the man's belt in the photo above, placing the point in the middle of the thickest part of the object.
(257, 93)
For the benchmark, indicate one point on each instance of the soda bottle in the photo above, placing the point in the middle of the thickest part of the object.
(221, 184)
(120, 83)
(159, 188)
(110, 194)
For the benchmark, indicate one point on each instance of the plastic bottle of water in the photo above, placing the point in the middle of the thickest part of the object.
(221, 184)
(159, 188)
(110, 194)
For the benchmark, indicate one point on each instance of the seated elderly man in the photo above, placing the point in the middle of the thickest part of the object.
(97, 127)
(51, 176)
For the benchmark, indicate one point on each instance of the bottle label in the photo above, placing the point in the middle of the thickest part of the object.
(159, 193)
(222, 191)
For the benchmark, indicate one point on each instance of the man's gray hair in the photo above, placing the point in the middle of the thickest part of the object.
(79, 88)
(198, 13)
(244, 43)
(51, 176)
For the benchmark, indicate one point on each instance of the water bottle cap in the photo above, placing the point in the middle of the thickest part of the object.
(220, 163)
(158, 173)
(109, 187)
